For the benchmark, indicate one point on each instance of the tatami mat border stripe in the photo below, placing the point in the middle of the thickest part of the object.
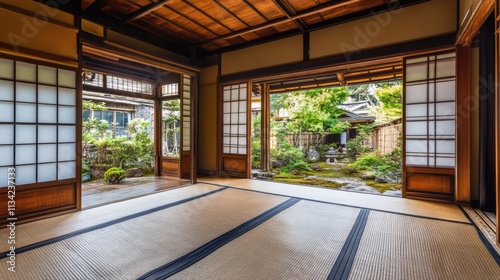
(109, 223)
(342, 267)
(340, 204)
(483, 238)
(185, 261)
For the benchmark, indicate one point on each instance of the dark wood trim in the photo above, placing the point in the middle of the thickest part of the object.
(32, 55)
(249, 130)
(265, 128)
(463, 141)
(158, 135)
(397, 50)
(479, 12)
(219, 113)
(497, 115)
(79, 119)
(117, 92)
(426, 170)
(144, 11)
(306, 46)
(194, 127)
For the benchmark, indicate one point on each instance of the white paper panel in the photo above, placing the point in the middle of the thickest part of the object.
(227, 94)
(445, 128)
(227, 107)
(7, 155)
(416, 72)
(4, 174)
(234, 94)
(25, 134)
(25, 71)
(47, 134)
(186, 101)
(242, 151)
(226, 129)
(227, 118)
(416, 146)
(25, 112)
(242, 130)
(445, 109)
(26, 92)
(67, 115)
(226, 140)
(25, 174)
(416, 128)
(6, 134)
(47, 153)
(66, 152)
(6, 90)
(234, 140)
(66, 170)
(431, 109)
(47, 172)
(67, 133)
(47, 113)
(234, 150)
(234, 118)
(67, 78)
(47, 94)
(416, 161)
(67, 96)
(242, 140)
(417, 110)
(445, 91)
(243, 106)
(445, 68)
(226, 150)
(416, 93)
(445, 162)
(243, 94)
(6, 111)
(47, 75)
(6, 69)
(445, 146)
(234, 107)
(25, 154)
(243, 118)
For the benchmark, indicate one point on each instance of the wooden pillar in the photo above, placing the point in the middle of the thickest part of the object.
(462, 167)
(265, 128)
(497, 114)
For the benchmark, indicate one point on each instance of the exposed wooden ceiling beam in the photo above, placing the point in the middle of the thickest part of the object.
(312, 11)
(288, 10)
(259, 13)
(95, 7)
(207, 15)
(144, 11)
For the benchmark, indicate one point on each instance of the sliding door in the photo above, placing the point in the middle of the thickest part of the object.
(429, 126)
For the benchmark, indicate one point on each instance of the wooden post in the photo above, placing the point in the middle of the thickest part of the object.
(463, 157)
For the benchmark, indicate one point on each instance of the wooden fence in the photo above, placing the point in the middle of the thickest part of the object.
(385, 137)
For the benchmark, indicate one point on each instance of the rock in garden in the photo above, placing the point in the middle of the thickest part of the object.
(367, 176)
(381, 180)
(133, 172)
(276, 163)
(313, 155)
(316, 167)
(294, 172)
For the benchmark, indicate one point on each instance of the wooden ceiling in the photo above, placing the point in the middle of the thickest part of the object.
(211, 26)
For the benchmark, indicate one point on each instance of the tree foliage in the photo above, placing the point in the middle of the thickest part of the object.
(390, 96)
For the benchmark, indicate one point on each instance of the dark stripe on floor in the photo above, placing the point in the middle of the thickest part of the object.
(107, 224)
(191, 258)
(483, 238)
(339, 204)
(343, 264)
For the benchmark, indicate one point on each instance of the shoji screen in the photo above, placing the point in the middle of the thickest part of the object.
(430, 111)
(429, 119)
(186, 127)
(235, 129)
(37, 122)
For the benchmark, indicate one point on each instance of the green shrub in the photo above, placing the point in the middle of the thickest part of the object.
(287, 154)
(368, 162)
(298, 165)
(114, 175)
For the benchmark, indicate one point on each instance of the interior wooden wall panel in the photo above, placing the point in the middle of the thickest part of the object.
(235, 165)
(33, 201)
(170, 166)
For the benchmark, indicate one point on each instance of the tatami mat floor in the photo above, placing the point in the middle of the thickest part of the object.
(244, 229)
